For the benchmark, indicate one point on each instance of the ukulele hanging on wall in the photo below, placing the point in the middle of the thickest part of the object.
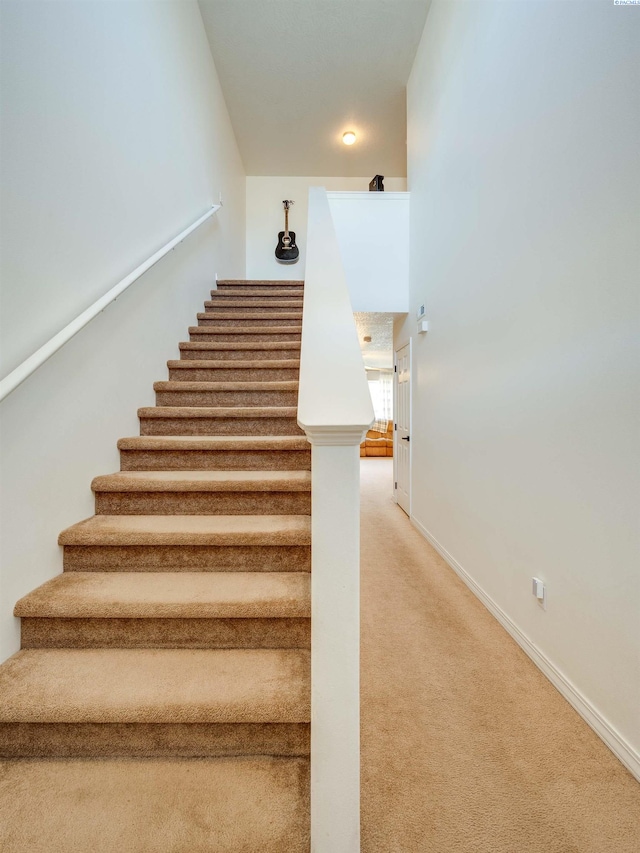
(286, 251)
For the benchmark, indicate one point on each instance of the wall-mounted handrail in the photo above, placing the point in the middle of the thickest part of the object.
(335, 410)
(31, 364)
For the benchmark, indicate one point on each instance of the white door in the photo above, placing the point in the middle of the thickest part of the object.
(402, 420)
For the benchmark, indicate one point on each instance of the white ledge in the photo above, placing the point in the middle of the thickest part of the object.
(334, 436)
(357, 195)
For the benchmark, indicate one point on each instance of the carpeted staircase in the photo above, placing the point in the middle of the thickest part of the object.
(180, 628)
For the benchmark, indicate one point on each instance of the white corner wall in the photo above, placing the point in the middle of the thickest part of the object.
(265, 218)
(115, 137)
(523, 123)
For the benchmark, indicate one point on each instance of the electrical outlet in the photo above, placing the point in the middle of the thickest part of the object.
(539, 589)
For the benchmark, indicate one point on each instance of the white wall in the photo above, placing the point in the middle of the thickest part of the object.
(115, 137)
(265, 218)
(524, 179)
(372, 230)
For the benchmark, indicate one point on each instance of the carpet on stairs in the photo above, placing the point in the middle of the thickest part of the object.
(161, 698)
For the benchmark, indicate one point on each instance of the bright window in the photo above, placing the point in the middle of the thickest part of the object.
(381, 390)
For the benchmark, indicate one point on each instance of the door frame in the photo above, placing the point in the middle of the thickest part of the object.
(396, 349)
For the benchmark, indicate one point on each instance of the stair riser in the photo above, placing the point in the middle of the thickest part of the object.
(152, 740)
(291, 308)
(261, 286)
(268, 303)
(255, 293)
(226, 398)
(53, 633)
(257, 354)
(286, 286)
(257, 290)
(203, 503)
(243, 337)
(187, 558)
(243, 321)
(258, 296)
(219, 426)
(215, 460)
(233, 374)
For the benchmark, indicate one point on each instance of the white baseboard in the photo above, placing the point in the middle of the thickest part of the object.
(602, 727)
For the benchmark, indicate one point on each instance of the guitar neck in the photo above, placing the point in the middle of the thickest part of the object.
(286, 222)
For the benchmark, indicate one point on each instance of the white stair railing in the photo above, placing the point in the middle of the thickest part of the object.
(334, 410)
(31, 364)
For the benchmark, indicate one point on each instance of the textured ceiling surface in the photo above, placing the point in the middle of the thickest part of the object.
(379, 327)
(296, 74)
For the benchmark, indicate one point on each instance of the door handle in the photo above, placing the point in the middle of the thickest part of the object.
(405, 438)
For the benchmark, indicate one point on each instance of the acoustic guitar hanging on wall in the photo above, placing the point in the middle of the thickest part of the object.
(286, 251)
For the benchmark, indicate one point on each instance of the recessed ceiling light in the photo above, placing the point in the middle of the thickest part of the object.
(349, 137)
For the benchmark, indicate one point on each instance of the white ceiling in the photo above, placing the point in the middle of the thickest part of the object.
(297, 73)
(378, 353)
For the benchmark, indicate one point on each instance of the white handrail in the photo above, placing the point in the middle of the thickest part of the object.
(31, 364)
(335, 410)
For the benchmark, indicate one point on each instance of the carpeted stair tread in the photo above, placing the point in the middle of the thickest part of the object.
(245, 330)
(244, 369)
(214, 442)
(263, 315)
(218, 805)
(294, 301)
(170, 595)
(284, 385)
(205, 332)
(225, 346)
(260, 282)
(219, 420)
(218, 452)
(250, 315)
(231, 292)
(199, 392)
(191, 530)
(233, 370)
(245, 364)
(218, 412)
(156, 686)
(203, 481)
(239, 350)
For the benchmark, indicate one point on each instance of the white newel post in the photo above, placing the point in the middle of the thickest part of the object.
(334, 410)
(335, 641)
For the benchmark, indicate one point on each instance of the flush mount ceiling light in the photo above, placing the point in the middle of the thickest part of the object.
(367, 339)
(349, 137)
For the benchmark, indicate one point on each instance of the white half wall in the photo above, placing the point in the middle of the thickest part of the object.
(373, 234)
(524, 178)
(265, 218)
(115, 137)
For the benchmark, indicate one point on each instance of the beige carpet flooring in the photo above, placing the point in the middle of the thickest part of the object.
(466, 747)
(154, 806)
